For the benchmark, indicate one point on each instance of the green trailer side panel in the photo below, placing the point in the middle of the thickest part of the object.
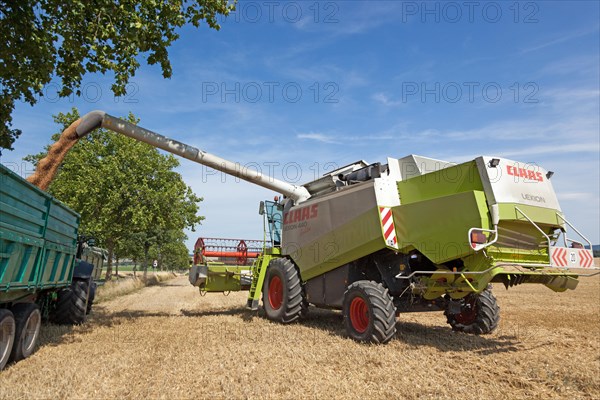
(23, 206)
(439, 227)
(95, 256)
(19, 258)
(38, 238)
(62, 225)
(57, 266)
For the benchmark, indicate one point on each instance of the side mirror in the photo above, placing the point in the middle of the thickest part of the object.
(261, 208)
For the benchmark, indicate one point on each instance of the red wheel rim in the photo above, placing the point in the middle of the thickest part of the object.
(359, 314)
(275, 293)
(468, 313)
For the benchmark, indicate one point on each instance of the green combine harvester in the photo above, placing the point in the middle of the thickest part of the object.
(413, 234)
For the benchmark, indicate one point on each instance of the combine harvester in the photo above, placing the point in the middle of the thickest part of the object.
(413, 234)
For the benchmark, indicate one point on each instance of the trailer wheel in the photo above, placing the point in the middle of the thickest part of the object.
(28, 321)
(72, 304)
(7, 335)
(479, 314)
(282, 291)
(369, 312)
(91, 297)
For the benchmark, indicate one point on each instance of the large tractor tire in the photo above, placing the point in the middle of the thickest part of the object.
(92, 297)
(369, 312)
(305, 306)
(7, 335)
(282, 291)
(71, 305)
(29, 320)
(479, 314)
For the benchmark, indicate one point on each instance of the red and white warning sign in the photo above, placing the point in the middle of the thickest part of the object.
(387, 224)
(564, 257)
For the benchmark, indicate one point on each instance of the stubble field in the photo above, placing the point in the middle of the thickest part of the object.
(167, 341)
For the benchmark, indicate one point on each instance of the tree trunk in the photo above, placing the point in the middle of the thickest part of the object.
(111, 248)
(145, 267)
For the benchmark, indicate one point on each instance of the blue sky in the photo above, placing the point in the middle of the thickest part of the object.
(299, 87)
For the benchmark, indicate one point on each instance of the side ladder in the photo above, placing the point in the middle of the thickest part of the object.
(259, 270)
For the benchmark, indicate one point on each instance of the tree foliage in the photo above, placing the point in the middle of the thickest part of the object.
(126, 191)
(46, 38)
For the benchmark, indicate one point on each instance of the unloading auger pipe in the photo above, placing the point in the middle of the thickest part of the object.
(97, 119)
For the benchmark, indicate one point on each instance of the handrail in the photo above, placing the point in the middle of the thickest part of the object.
(541, 231)
(575, 229)
(438, 272)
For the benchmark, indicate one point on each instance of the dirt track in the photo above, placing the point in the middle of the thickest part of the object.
(168, 342)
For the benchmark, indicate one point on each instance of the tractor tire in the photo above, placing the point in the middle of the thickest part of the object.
(91, 298)
(7, 335)
(72, 304)
(282, 291)
(369, 312)
(304, 311)
(28, 321)
(479, 314)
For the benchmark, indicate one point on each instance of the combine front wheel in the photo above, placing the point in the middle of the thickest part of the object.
(479, 314)
(369, 312)
(282, 291)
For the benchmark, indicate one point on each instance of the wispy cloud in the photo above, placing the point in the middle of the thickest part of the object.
(384, 99)
(558, 148)
(319, 137)
(562, 38)
(340, 19)
(575, 196)
(586, 65)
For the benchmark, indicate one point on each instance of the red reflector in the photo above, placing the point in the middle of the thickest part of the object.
(477, 237)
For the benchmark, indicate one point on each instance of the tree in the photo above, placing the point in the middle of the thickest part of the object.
(125, 190)
(46, 38)
(170, 250)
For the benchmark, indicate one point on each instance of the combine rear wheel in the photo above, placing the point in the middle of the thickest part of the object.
(7, 335)
(369, 312)
(479, 314)
(282, 291)
(29, 320)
